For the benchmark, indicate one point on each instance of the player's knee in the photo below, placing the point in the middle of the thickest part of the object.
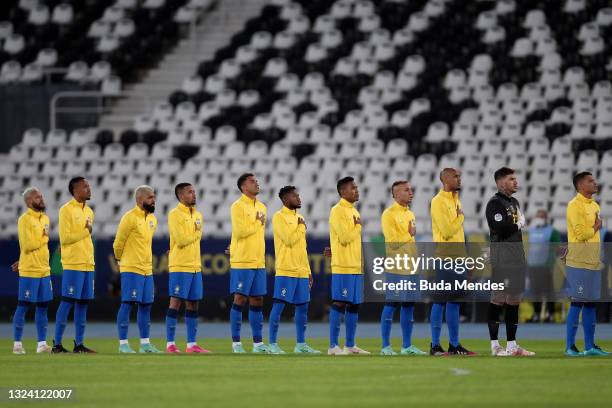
(175, 303)
(256, 301)
(191, 306)
(339, 306)
(239, 299)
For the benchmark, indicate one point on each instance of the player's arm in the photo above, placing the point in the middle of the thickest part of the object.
(69, 235)
(28, 239)
(288, 234)
(243, 227)
(440, 217)
(499, 221)
(183, 234)
(345, 227)
(123, 232)
(577, 222)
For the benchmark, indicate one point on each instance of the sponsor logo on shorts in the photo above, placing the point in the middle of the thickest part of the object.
(26, 294)
(134, 293)
(283, 292)
(71, 290)
(344, 292)
(177, 289)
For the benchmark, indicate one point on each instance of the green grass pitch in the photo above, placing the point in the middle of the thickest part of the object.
(222, 379)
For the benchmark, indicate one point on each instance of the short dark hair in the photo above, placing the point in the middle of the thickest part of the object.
(242, 179)
(73, 181)
(342, 182)
(179, 187)
(284, 191)
(398, 183)
(502, 172)
(579, 177)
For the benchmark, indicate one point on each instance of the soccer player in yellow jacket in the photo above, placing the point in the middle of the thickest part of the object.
(185, 267)
(399, 229)
(35, 288)
(293, 279)
(134, 255)
(346, 266)
(248, 262)
(75, 227)
(583, 265)
(447, 228)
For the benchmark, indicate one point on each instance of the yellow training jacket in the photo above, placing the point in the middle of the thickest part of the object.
(396, 221)
(33, 232)
(77, 246)
(290, 244)
(345, 239)
(185, 226)
(248, 245)
(133, 242)
(446, 224)
(583, 249)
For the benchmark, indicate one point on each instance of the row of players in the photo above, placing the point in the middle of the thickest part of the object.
(133, 251)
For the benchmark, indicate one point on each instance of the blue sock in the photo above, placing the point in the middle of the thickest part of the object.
(236, 321)
(80, 321)
(171, 319)
(406, 322)
(301, 321)
(335, 316)
(589, 320)
(123, 320)
(144, 319)
(19, 320)
(435, 319)
(256, 322)
(452, 321)
(191, 322)
(275, 316)
(386, 321)
(42, 321)
(571, 324)
(350, 321)
(61, 319)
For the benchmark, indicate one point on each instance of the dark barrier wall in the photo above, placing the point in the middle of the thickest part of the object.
(24, 106)
(217, 300)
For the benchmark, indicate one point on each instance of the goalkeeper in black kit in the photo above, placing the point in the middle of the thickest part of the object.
(508, 262)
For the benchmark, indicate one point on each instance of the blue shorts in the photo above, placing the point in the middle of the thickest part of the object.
(35, 290)
(78, 284)
(405, 295)
(291, 290)
(136, 287)
(347, 288)
(583, 284)
(186, 285)
(248, 282)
